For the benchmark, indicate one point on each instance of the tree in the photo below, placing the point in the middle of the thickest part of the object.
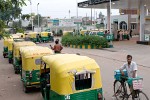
(35, 20)
(25, 16)
(9, 10)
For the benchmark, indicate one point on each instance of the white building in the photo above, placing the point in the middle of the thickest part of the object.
(124, 22)
(66, 22)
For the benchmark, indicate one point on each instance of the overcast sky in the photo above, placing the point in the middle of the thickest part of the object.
(60, 8)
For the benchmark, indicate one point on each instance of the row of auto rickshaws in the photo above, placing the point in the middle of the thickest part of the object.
(59, 76)
(37, 36)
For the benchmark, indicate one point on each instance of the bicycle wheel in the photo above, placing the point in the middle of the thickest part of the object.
(120, 90)
(142, 96)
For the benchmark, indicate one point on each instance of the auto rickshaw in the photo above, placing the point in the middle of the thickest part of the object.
(35, 37)
(44, 37)
(84, 32)
(10, 52)
(70, 77)
(67, 32)
(5, 48)
(21, 35)
(27, 36)
(16, 54)
(10, 48)
(31, 60)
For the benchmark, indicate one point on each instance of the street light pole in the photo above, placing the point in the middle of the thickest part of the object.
(31, 14)
(111, 44)
(77, 7)
(110, 18)
(38, 17)
(77, 17)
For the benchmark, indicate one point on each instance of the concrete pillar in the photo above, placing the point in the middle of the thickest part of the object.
(129, 22)
(108, 16)
(142, 19)
(148, 11)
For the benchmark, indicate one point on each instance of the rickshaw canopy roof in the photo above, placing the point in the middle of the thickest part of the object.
(67, 62)
(24, 43)
(64, 67)
(34, 51)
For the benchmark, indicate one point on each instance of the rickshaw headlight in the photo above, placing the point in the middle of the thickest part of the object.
(28, 83)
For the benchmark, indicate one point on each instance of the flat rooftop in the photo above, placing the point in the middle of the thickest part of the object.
(116, 4)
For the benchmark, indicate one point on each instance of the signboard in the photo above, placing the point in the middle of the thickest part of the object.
(66, 22)
(55, 22)
(147, 37)
(77, 21)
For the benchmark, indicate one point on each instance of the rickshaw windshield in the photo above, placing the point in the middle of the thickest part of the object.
(83, 81)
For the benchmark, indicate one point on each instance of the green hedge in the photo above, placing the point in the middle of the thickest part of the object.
(68, 40)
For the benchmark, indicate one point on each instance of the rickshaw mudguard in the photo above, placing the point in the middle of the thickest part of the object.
(34, 81)
(90, 95)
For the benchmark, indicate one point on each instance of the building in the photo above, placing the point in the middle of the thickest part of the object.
(124, 22)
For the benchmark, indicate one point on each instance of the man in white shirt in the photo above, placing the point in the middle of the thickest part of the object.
(131, 68)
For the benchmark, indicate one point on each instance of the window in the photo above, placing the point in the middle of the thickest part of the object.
(123, 25)
(83, 81)
(133, 26)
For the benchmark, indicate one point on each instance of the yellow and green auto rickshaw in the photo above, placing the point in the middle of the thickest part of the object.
(27, 36)
(10, 48)
(70, 77)
(10, 52)
(5, 48)
(21, 35)
(84, 32)
(35, 37)
(31, 61)
(16, 54)
(67, 32)
(46, 36)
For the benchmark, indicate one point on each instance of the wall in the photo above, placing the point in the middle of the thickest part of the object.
(118, 18)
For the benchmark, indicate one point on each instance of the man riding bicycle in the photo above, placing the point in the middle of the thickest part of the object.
(131, 68)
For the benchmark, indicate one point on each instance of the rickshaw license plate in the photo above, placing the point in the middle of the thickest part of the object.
(137, 84)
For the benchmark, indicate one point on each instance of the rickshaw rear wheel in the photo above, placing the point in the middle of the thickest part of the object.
(16, 72)
(25, 89)
(10, 61)
(4, 55)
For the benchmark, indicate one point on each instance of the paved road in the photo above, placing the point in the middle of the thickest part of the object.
(108, 60)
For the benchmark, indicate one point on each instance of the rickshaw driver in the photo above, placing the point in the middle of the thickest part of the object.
(131, 68)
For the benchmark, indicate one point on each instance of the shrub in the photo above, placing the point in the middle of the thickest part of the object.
(84, 40)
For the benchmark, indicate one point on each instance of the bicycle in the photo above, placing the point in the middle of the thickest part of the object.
(120, 87)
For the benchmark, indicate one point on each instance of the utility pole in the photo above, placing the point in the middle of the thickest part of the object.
(91, 16)
(38, 17)
(31, 14)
